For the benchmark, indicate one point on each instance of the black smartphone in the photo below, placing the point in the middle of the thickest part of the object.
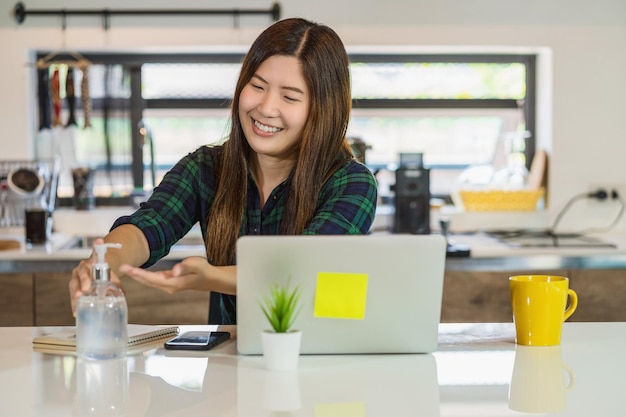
(197, 340)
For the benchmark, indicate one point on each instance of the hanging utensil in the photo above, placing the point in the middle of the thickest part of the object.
(86, 99)
(55, 89)
(71, 96)
(43, 96)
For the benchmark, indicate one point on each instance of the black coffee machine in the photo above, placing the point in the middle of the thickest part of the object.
(412, 195)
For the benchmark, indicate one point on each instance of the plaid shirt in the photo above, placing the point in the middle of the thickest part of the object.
(346, 205)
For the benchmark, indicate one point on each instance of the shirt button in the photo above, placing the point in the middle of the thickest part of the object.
(275, 197)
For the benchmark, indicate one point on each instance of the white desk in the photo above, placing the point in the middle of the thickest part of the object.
(474, 372)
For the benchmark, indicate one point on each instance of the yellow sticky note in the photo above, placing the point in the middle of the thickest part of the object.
(340, 295)
(339, 409)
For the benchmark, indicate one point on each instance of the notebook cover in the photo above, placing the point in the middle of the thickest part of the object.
(138, 334)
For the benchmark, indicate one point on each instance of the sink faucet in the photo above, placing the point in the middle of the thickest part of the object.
(145, 131)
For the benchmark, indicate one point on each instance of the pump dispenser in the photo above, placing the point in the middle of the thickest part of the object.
(102, 314)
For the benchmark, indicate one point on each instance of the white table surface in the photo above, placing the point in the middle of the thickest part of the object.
(475, 371)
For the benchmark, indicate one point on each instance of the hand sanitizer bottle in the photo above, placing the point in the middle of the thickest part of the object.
(102, 314)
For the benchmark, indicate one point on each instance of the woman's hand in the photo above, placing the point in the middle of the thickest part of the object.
(193, 273)
(80, 281)
(82, 277)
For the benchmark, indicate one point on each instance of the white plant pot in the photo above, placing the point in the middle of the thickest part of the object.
(281, 351)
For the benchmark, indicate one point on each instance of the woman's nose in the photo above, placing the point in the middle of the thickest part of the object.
(268, 106)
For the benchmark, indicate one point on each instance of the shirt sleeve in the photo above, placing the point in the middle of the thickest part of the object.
(179, 201)
(347, 202)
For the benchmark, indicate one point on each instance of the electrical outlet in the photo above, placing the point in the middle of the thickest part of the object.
(610, 188)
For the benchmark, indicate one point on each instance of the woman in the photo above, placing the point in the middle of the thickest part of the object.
(286, 168)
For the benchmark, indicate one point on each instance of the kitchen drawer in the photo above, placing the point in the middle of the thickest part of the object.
(16, 299)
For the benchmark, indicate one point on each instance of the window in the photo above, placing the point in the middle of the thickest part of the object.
(455, 109)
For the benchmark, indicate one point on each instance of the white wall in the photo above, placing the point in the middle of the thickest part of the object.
(583, 106)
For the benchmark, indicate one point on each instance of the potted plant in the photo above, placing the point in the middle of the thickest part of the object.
(281, 344)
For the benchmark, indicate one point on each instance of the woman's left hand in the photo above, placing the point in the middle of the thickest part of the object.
(193, 273)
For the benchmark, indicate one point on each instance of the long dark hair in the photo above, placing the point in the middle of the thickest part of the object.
(322, 149)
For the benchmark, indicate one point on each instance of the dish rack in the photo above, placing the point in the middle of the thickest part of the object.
(11, 206)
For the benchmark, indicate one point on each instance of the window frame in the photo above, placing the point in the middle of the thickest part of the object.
(138, 104)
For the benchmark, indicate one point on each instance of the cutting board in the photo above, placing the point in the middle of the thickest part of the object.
(538, 170)
(9, 244)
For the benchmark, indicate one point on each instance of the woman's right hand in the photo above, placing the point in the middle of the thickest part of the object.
(82, 277)
(134, 251)
(80, 281)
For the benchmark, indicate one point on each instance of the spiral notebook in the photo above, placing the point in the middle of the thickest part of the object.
(139, 335)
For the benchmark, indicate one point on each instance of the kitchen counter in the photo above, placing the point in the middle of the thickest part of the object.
(487, 252)
(33, 282)
(491, 254)
(59, 255)
(477, 370)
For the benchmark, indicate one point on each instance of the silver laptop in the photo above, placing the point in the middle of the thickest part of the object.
(360, 294)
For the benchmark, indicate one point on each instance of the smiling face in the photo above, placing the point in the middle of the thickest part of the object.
(274, 107)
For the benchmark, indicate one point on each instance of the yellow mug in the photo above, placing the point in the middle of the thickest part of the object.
(540, 306)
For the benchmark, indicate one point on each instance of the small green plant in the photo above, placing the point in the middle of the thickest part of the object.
(280, 306)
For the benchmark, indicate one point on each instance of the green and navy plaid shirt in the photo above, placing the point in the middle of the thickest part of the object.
(346, 205)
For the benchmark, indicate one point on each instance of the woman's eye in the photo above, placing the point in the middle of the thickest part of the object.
(256, 86)
(288, 98)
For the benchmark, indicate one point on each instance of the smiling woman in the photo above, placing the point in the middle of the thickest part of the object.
(286, 168)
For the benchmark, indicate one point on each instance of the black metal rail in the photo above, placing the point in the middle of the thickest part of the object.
(21, 12)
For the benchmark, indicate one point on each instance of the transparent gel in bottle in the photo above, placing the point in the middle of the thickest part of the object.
(102, 314)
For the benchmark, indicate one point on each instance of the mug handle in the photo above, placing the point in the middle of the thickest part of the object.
(573, 303)
(571, 375)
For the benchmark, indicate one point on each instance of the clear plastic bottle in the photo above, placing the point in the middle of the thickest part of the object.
(102, 314)
(102, 387)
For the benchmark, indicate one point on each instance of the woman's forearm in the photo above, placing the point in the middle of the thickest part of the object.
(134, 251)
(224, 280)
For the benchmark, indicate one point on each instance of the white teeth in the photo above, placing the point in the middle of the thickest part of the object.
(267, 129)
